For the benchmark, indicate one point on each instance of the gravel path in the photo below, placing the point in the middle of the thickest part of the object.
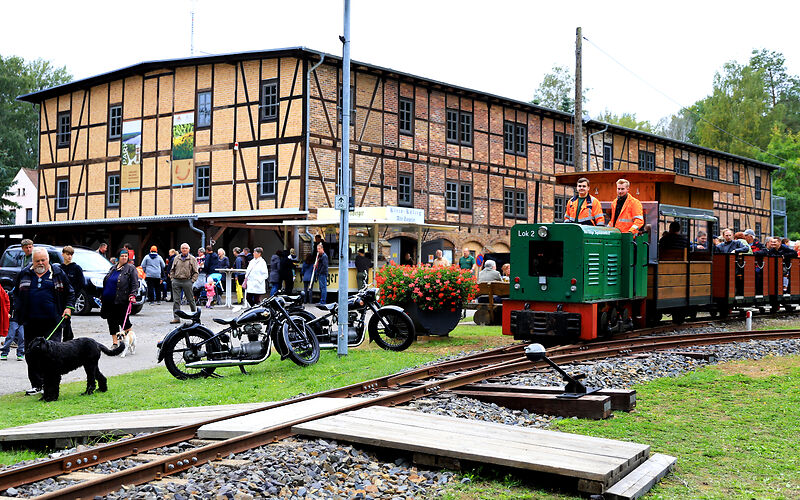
(300, 468)
(150, 326)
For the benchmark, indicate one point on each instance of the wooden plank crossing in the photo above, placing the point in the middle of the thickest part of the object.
(596, 462)
(270, 417)
(130, 422)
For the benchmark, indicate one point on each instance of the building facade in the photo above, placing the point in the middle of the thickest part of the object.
(23, 192)
(253, 132)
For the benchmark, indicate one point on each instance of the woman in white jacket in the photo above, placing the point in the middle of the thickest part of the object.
(255, 277)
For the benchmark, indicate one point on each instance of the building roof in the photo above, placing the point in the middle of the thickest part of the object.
(144, 67)
(33, 175)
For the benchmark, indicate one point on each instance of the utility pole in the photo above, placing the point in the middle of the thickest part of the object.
(343, 201)
(578, 148)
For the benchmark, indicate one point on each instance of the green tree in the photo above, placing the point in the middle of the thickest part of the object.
(627, 120)
(681, 126)
(20, 120)
(785, 182)
(557, 90)
(747, 101)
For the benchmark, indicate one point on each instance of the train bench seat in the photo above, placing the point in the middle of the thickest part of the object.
(488, 309)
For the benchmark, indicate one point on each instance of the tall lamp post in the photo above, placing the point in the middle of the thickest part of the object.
(343, 200)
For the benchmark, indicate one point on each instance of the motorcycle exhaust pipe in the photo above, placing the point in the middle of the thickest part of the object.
(221, 363)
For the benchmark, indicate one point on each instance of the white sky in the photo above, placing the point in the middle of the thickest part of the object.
(502, 47)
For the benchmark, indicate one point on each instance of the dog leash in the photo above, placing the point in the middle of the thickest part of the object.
(122, 327)
(56, 328)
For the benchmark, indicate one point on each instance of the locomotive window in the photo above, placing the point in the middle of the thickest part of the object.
(546, 258)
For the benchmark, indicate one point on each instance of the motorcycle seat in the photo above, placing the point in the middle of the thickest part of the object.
(327, 307)
(225, 321)
(195, 316)
(292, 298)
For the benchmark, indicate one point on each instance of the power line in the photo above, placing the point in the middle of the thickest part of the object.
(681, 107)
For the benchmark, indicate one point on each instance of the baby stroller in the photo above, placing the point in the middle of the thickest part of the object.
(200, 291)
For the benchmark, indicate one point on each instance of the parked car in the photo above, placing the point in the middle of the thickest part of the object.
(95, 267)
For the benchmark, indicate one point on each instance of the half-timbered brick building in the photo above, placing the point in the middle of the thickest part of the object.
(230, 140)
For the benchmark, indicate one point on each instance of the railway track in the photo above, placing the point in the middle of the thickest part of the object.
(387, 391)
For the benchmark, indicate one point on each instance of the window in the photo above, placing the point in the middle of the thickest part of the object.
(559, 208)
(64, 128)
(736, 177)
(608, 156)
(684, 222)
(405, 189)
(112, 192)
(712, 172)
(515, 138)
(62, 194)
(758, 230)
(204, 109)
(451, 197)
(459, 127)
(647, 160)
(681, 166)
(268, 102)
(115, 122)
(458, 197)
(28, 216)
(757, 187)
(406, 118)
(562, 148)
(514, 203)
(737, 226)
(352, 105)
(267, 179)
(202, 189)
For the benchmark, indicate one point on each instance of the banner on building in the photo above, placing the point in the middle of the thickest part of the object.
(183, 149)
(131, 155)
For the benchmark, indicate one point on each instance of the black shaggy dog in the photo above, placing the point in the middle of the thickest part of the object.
(52, 359)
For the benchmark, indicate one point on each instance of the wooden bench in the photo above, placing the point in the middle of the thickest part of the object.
(490, 313)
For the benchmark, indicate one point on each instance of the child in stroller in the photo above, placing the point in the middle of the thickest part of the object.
(202, 298)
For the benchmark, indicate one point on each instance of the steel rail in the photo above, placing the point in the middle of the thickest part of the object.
(180, 462)
(132, 446)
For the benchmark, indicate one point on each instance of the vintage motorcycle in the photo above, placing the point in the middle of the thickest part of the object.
(192, 350)
(389, 326)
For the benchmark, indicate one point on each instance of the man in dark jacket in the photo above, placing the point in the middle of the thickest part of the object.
(286, 272)
(43, 298)
(362, 268)
(730, 245)
(75, 274)
(756, 246)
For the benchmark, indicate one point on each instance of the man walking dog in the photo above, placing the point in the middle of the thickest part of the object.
(44, 298)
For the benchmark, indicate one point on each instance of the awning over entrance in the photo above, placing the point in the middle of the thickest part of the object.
(393, 219)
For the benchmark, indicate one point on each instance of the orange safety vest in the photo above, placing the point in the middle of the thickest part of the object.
(591, 212)
(631, 217)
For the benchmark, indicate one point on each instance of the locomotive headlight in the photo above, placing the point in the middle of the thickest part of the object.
(542, 232)
(543, 287)
(573, 288)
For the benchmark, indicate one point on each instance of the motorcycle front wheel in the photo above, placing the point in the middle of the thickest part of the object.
(303, 348)
(183, 349)
(397, 334)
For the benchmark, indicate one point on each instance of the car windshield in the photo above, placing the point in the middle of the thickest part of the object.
(91, 261)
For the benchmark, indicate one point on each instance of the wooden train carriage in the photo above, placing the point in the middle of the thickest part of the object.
(734, 281)
(791, 269)
(679, 281)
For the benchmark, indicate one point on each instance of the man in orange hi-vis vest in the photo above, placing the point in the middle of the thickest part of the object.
(626, 211)
(584, 208)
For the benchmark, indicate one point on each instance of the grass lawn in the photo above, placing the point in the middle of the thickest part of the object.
(272, 380)
(734, 428)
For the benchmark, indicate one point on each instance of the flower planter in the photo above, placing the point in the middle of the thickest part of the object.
(440, 322)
